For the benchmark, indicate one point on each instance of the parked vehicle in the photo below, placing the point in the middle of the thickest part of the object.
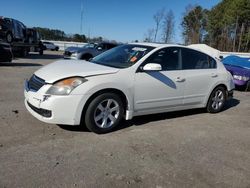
(88, 51)
(50, 46)
(12, 30)
(127, 81)
(239, 67)
(22, 39)
(32, 43)
(5, 52)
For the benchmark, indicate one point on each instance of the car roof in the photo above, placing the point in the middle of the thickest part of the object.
(156, 45)
(199, 48)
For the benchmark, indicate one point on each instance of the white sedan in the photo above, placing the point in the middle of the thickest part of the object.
(50, 46)
(126, 81)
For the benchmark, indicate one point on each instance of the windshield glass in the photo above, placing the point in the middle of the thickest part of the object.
(122, 56)
(90, 45)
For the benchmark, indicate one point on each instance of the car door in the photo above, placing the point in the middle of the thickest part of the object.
(160, 89)
(200, 73)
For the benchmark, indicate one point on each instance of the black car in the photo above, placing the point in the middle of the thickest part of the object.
(5, 52)
(12, 30)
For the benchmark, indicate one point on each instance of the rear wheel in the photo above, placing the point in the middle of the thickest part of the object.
(104, 113)
(217, 100)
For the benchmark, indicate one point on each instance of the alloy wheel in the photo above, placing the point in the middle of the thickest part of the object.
(106, 113)
(217, 100)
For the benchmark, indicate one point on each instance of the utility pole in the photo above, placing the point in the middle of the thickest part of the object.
(89, 35)
(81, 17)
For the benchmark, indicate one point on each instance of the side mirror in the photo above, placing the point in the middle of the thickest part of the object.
(152, 67)
(99, 48)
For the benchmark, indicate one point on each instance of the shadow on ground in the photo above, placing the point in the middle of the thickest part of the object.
(44, 56)
(142, 120)
(78, 128)
(10, 64)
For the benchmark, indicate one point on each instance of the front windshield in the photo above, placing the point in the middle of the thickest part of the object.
(90, 45)
(122, 56)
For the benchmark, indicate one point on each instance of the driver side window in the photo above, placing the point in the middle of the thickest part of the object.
(168, 58)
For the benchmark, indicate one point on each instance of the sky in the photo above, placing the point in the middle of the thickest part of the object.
(120, 20)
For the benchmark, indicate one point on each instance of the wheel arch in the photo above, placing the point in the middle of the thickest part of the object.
(120, 93)
(216, 86)
(87, 54)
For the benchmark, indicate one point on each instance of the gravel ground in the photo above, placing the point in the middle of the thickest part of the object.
(180, 149)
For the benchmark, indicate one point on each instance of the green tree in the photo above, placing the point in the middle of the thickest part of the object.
(229, 25)
(79, 38)
(194, 24)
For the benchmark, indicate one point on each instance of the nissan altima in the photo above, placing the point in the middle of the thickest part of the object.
(129, 80)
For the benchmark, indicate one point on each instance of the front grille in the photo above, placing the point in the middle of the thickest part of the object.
(35, 83)
(42, 112)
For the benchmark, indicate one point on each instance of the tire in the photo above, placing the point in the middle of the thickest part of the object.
(104, 113)
(86, 57)
(23, 53)
(216, 100)
(9, 37)
(56, 48)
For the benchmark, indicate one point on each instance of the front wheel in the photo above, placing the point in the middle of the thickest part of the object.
(86, 57)
(104, 113)
(217, 100)
(9, 37)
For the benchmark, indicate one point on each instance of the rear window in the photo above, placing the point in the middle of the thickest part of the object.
(192, 59)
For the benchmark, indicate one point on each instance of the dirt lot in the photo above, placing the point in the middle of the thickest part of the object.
(181, 149)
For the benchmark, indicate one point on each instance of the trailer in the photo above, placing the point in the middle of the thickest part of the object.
(22, 49)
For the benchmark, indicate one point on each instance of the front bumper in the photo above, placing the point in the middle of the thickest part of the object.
(240, 82)
(70, 57)
(65, 110)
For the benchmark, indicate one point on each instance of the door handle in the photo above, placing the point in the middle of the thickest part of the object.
(213, 75)
(179, 79)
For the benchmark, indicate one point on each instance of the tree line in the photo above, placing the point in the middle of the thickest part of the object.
(58, 35)
(225, 27)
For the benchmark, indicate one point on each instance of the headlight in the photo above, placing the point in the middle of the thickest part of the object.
(74, 54)
(66, 86)
(243, 78)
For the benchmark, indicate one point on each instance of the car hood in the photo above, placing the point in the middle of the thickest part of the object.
(66, 68)
(237, 61)
(72, 49)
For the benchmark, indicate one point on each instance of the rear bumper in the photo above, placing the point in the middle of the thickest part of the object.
(240, 82)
